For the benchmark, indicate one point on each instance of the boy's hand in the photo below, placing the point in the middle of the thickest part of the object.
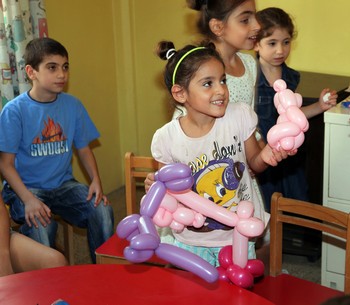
(95, 188)
(37, 210)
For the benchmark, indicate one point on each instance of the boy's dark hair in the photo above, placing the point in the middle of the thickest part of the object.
(210, 9)
(272, 18)
(189, 64)
(38, 48)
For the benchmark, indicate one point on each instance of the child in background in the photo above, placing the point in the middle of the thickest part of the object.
(232, 27)
(18, 253)
(38, 130)
(273, 47)
(216, 139)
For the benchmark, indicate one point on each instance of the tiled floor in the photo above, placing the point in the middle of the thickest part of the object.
(297, 265)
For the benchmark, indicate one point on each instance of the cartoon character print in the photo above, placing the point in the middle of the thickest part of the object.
(218, 182)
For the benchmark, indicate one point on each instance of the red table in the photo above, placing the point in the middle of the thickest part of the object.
(287, 290)
(120, 284)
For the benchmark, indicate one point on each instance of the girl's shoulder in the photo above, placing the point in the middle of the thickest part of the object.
(250, 63)
(247, 58)
(238, 110)
(169, 128)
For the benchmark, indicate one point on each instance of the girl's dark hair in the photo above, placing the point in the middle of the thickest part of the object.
(189, 65)
(210, 9)
(38, 48)
(272, 18)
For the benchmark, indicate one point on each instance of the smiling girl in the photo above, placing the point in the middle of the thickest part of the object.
(215, 138)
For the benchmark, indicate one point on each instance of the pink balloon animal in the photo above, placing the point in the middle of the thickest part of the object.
(165, 205)
(288, 133)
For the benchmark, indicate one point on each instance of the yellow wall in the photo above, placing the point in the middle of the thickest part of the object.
(87, 33)
(144, 102)
(116, 74)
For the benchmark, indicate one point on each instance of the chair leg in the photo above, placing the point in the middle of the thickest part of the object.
(68, 242)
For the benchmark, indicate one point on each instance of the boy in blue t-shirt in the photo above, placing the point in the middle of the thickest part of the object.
(38, 130)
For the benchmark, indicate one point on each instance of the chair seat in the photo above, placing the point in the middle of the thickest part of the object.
(286, 289)
(112, 251)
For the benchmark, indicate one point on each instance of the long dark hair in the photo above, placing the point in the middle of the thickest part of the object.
(209, 9)
(189, 64)
(271, 18)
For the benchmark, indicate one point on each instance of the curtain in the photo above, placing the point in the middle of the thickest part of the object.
(20, 22)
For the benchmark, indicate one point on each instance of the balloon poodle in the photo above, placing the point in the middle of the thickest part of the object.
(165, 204)
(288, 133)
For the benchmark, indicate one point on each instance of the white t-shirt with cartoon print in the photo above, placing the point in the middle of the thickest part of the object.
(219, 167)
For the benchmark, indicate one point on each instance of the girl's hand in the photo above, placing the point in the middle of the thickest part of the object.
(149, 181)
(273, 156)
(328, 99)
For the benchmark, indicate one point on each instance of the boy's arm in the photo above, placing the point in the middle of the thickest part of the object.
(88, 160)
(5, 259)
(34, 208)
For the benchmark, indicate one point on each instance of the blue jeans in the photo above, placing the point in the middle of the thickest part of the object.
(69, 202)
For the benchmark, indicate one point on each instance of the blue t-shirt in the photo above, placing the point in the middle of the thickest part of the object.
(42, 136)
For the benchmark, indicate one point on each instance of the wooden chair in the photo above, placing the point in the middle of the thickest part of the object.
(68, 239)
(284, 288)
(136, 170)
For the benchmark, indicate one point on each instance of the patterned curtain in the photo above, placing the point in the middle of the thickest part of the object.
(20, 22)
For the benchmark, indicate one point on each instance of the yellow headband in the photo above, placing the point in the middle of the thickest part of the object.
(182, 58)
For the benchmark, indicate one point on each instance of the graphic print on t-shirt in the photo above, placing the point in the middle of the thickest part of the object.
(52, 140)
(219, 182)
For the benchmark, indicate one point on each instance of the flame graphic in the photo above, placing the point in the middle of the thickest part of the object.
(52, 132)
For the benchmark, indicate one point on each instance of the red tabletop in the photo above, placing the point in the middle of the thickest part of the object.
(289, 290)
(119, 284)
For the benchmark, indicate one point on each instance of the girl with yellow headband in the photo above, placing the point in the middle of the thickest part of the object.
(214, 138)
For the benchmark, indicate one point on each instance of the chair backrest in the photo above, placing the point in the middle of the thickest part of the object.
(306, 214)
(136, 169)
